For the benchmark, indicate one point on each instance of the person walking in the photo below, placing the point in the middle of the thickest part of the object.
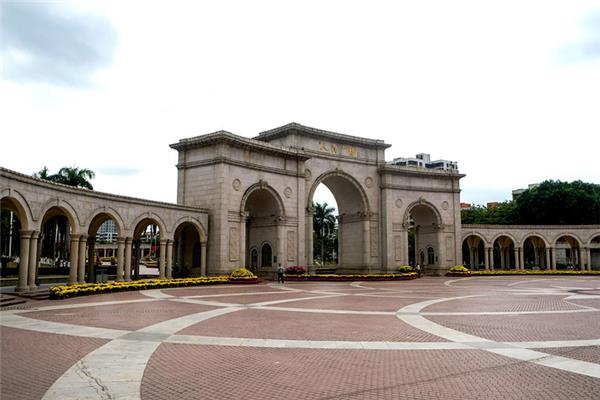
(418, 269)
(280, 274)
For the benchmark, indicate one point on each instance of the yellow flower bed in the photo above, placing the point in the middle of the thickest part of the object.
(61, 292)
(352, 277)
(489, 272)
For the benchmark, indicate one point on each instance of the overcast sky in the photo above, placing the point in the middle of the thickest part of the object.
(509, 89)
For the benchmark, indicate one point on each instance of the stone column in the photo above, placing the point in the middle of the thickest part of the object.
(366, 242)
(33, 260)
(553, 257)
(179, 255)
(309, 240)
(280, 242)
(244, 262)
(548, 263)
(522, 257)
(91, 258)
(588, 257)
(162, 260)
(169, 259)
(74, 259)
(577, 258)
(502, 258)
(486, 257)
(340, 244)
(120, 258)
(22, 284)
(536, 256)
(516, 251)
(492, 261)
(203, 258)
(81, 261)
(127, 271)
(137, 251)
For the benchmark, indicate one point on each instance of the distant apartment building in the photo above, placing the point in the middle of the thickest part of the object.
(107, 233)
(423, 160)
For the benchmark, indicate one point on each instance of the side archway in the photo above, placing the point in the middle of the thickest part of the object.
(424, 223)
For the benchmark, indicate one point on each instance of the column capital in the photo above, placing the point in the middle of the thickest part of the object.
(128, 240)
(75, 237)
(35, 234)
(121, 240)
(203, 244)
(83, 238)
(163, 242)
(25, 234)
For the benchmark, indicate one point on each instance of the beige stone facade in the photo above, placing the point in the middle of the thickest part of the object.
(259, 194)
(256, 196)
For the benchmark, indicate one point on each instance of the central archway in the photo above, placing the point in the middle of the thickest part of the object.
(424, 224)
(354, 226)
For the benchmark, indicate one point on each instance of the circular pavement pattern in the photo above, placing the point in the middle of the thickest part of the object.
(433, 338)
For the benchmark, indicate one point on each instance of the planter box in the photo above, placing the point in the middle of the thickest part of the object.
(330, 278)
(243, 281)
(458, 274)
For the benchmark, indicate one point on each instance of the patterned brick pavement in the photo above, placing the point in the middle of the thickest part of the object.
(433, 338)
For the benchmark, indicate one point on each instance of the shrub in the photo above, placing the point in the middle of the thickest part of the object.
(459, 269)
(405, 269)
(295, 270)
(242, 273)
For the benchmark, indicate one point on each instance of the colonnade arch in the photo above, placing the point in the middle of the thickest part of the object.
(571, 247)
(38, 207)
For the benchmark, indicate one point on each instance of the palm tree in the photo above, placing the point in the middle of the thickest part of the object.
(72, 176)
(42, 174)
(323, 223)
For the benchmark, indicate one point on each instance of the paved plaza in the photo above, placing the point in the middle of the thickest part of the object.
(434, 338)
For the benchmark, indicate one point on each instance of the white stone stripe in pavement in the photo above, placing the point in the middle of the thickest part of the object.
(548, 360)
(38, 325)
(313, 344)
(79, 305)
(586, 309)
(115, 370)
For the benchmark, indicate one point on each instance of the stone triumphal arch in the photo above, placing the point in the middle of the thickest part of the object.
(259, 194)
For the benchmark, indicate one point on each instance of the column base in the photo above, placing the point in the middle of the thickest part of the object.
(21, 289)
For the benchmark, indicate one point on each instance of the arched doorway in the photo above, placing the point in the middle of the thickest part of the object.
(147, 247)
(504, 256)
(59, 247)
(266, 256)
(264, 218)
(189, 251)
(535, 253)
(355, 252)
(13, 229)
(473, 250)
(567, 253)
(103, 232)
(594, 253)
(424, 225)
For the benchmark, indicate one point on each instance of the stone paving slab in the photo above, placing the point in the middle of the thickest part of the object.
(237, 373)
(526, 327)
(254, 323)
(584, 353)
(30, 362)
(505, 304)
(124, 316)
(312, 340)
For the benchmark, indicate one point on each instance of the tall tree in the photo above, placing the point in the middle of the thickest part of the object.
(72, 176)
(323, 223)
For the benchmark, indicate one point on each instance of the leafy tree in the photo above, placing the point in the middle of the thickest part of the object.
(72, 176)
(556, 202)
(549, 203)
(504, 214)
(323, 224)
